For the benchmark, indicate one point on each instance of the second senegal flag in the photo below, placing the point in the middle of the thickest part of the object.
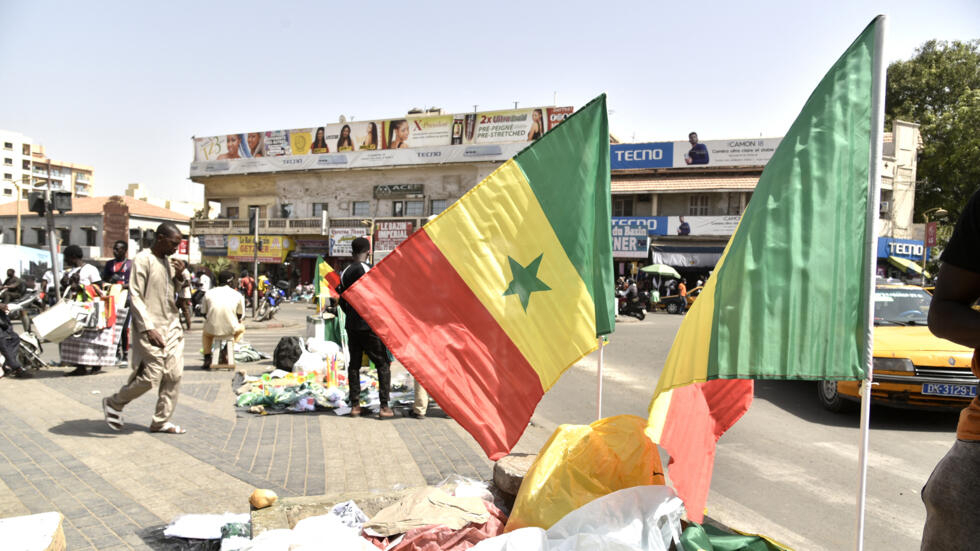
(490, 302)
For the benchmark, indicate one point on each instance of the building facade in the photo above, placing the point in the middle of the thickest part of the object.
(25, 163)
(94, 224)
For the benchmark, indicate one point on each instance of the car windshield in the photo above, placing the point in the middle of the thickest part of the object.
(901, 306)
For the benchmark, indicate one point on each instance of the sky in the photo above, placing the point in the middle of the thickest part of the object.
(123, 86)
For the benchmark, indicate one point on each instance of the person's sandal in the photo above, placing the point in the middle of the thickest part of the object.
(113, 417)
(169, 428)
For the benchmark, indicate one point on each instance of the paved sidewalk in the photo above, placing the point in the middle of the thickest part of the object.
(117, 489)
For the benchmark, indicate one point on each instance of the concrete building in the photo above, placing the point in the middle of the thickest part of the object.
(186, 207)
(711, 200)
(94, 224)
(25, 162)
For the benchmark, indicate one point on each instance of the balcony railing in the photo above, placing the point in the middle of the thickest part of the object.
(279, 226)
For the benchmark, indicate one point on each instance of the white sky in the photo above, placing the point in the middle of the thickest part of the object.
(123, 86)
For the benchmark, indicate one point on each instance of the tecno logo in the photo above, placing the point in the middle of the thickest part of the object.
(905, 249)
(631, 155)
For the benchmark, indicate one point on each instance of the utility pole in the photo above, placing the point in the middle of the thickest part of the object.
(52, 245)
(254, 222)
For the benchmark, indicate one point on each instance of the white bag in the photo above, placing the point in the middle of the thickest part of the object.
(57, 323)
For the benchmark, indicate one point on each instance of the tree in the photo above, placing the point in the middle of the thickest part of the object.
(939, 88)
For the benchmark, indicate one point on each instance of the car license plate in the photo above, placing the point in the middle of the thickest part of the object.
(946, 389)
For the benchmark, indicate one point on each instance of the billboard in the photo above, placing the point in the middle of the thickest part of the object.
(411, 131)
(681, 225)
(241, 248)
(341, 238)
(693, 153)
(630, 241)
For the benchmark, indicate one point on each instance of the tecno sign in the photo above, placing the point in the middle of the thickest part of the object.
(904, 249)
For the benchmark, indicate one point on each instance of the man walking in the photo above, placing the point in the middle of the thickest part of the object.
(361, 338)
(223, 308)
(158, 351)
(117, 271)
(952, 493)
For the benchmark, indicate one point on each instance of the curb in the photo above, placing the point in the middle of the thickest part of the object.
(273, 325)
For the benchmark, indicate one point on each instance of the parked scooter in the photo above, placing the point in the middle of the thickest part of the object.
(269, 303)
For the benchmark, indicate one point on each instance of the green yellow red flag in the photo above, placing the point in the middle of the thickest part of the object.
(788, 298)
(490, 302)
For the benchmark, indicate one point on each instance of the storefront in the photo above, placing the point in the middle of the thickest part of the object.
(901, 258)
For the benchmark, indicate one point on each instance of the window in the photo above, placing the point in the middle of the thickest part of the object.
(8, 161)
(319, 209)
(26, 165)
(286, 210)
(8, 146)
(231, 212)
(699, 205)
(398, 208)
(25, 149)
(65, 236)
(414, 208)
(361, 208)
(90, 237)
(8, 192)
(260, 208)
(8, 176)
(734, 204)
(41, 236)
(622, 206)
(437, 205)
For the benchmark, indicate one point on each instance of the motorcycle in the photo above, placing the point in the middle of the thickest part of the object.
(634, 308)
(29, 347)
(269, 303)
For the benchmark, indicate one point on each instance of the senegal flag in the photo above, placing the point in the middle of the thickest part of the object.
(490, 302)
(789, 297)
(326, 281)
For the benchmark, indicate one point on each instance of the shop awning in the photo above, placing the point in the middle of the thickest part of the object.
(907, 265)
(686, 256)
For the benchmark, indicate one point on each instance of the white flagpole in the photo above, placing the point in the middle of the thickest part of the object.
(598, 391)
(870, 248)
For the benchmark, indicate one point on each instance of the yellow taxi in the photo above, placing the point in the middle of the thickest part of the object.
(912, 367)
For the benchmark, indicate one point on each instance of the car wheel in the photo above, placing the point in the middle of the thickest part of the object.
(262, 311)
(832, 400)
(673, 308)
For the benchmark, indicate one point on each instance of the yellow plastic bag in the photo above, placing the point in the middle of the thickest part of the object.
(580, 463)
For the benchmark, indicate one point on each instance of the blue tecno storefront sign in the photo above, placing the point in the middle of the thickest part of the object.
(655, 225)
(902, 248)
(641, 155)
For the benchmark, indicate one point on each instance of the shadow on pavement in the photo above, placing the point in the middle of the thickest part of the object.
(800, 399)
(93, 428)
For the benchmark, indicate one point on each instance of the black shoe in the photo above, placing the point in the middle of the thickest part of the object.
(415, 415)
(207, 362)
(78, 371)
(22, 373)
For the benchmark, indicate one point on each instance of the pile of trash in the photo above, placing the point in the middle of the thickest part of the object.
(318, 381)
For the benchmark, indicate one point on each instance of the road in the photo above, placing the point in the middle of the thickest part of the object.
(788, 469)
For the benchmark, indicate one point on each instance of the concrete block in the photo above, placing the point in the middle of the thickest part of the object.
(41, 532)
(509, 471)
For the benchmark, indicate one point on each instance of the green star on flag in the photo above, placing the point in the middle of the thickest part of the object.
(525, 280)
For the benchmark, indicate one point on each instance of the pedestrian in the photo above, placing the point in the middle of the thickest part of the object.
(224, 309)
(92, 348)
(247, 286)
(952, 493)
(361, 338)
(13, 286)
(158, 349)
(682, 295)
(116, 272)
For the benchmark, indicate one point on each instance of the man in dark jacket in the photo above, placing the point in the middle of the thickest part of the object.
(361, 339)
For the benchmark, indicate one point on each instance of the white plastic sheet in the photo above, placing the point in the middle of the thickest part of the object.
(202, 527)
(642, 517)
(324, 532)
